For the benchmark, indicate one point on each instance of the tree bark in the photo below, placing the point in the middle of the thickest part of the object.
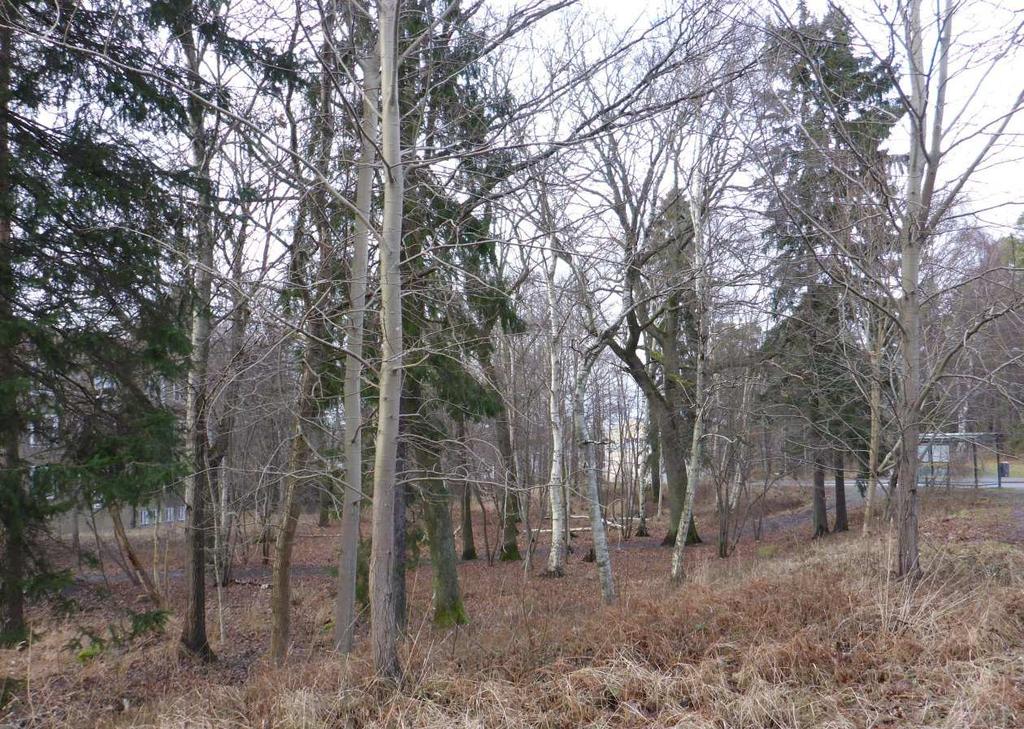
(700, 398)
(345, 604)
(384, 627)
(468, 543)
(323, 514)
(585, 440)
(448, 607)
(875, 436)
(298, 463)
(194, 640)
(912, 235)
(842, 521)
(510, 499)
(559, 516)
(144, 578)
(654, 460)
(820, 512)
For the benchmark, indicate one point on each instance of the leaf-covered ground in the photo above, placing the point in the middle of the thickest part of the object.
(787, 633)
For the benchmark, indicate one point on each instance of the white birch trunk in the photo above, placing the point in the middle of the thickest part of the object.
(556, 558)
(693, 471)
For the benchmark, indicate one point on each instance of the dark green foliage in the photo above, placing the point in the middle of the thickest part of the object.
(831, 111)
(829, 119)
(88, 318)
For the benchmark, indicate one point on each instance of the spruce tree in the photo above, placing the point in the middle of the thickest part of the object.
(829, 113)
(88, 319)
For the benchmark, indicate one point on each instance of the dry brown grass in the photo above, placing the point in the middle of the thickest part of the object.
(801, 635)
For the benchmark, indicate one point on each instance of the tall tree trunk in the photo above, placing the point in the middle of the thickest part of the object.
(294, 478)
(907, 560)
(842, 521)
(559, 516)
(12, 565)
(466, 492)
(510, 476)
(448, 607)
(700, 398)
(194, 640)
(323, 514)
(384, 627)
(875, 437)
(224, 523)
(673, 457)
(468, 544)
(220, 482)
(585, 441)
(820, 512)
(76, 538)
(345, 605)
(732, 497)
(308, 436)
(654, 459)
(401, 543)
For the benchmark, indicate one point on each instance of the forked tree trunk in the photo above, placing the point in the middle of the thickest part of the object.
(141, 574)
(345, 604)
(383, 623)
(912, 234)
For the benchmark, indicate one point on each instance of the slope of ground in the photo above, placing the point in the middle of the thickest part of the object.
(786, 633)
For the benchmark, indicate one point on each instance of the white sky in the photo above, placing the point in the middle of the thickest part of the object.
(976, 97)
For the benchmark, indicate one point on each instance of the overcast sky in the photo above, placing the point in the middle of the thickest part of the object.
(977, 96)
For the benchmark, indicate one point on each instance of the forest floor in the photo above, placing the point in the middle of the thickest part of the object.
(787, 632)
